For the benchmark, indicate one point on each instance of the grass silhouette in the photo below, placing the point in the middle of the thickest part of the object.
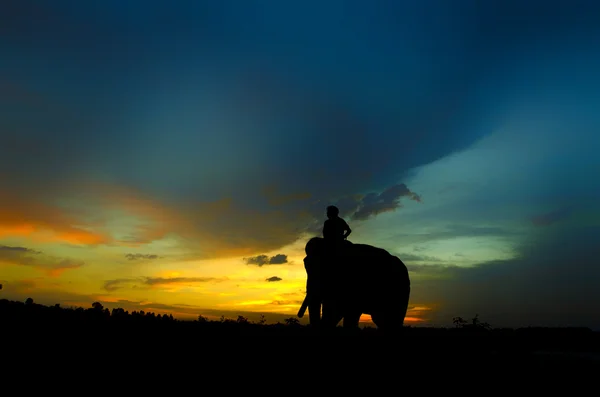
(464, 340)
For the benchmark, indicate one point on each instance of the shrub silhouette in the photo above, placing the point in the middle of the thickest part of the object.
(464, 339)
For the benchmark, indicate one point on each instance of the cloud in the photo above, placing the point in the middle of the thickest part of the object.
(418, 258)
(454, 231)
(551, 217)
(262, 260)
(53, 266)
(278, 259)
(113, 285)
(388, 200)
(273, 279)
(141, 256)
(16, 251)
(259, 260)
(151, 282)
(432, 270)
(551, 282)
(358, 207)
(21, 216)
(389, 121)
(221, 228)
(25, 285)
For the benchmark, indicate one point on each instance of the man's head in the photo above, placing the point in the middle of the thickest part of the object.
(332, 211)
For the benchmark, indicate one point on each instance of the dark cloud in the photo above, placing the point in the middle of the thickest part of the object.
(259, 260)
(388, 200)
(273, 279)
(359, 207)
(278, 259)
(8, 251)
(141, 256)
(262, 260)
(54, 266)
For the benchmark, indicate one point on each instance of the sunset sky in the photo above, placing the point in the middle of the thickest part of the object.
(176, 156)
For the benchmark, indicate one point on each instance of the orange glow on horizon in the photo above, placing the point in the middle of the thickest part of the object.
(413, 320)
(366, 318)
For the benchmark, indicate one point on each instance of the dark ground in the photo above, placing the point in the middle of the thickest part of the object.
(440, 357)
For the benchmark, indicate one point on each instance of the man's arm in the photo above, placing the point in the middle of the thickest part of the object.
(348, 230)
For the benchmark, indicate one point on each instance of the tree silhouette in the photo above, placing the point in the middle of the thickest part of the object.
(459, 322)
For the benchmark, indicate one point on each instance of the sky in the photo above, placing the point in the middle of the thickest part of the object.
(176, 157)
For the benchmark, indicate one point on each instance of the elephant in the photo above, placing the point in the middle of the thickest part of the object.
(360, 279)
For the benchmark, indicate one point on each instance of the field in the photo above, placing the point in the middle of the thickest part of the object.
(509, 354)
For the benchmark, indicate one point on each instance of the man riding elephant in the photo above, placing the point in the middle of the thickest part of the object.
(335, 229)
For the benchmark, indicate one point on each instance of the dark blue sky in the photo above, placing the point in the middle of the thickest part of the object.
(484, 113)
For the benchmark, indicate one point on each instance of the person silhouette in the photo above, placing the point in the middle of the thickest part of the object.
(335, 229)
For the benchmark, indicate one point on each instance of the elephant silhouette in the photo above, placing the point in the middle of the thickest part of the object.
(362, 279)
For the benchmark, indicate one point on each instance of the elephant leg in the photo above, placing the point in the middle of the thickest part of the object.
(387, 323)
(351, 319)
(403, 306)
(389, 318)
(332, 315)
(314, 313)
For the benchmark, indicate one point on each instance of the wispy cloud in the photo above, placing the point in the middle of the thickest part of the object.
(150, 282)
(132, 257)
(53, 266)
